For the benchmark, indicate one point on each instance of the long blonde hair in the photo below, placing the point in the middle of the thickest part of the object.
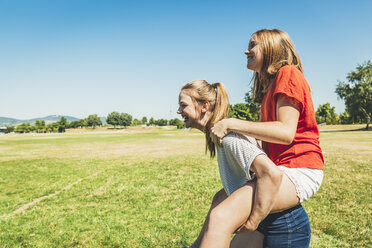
(277, 50)
(200, 92)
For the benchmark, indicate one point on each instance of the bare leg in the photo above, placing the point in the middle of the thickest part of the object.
(225, 218)
(234, 211)
(217, 199)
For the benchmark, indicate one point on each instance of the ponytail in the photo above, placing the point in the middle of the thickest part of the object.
(201, 91)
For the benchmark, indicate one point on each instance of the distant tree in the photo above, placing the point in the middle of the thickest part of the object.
(52, 127)
(240, 111)
(326, 114)
(136, 122)
(37, 126)
(144, 120)
(83, 122)
(345, 118)
(245, 111)
(125, 119)
(161, 122)
(9, 129)
(43, 126)
(24, 128)
(40, 126)
(151, 122)
(357, 93)
(254, 109)
(113, 118)
(176, 122)
(62, 124)
(73, 124)
(93, 121)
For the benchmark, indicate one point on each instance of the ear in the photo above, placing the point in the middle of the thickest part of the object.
(205, 107)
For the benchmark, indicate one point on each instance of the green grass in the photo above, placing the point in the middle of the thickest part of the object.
(154, 189)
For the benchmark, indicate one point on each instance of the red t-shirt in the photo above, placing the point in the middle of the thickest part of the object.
(304, 151)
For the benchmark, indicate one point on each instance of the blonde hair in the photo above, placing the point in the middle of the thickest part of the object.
(277, 50)
(200, 92)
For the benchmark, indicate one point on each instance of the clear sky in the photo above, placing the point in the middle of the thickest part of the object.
(81, 57)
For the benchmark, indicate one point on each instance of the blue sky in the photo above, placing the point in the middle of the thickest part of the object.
(74, 57)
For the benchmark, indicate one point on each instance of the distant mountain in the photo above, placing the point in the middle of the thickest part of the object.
(5, 121)
(53, 118)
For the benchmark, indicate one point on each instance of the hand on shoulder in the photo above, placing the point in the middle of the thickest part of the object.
(219, 130)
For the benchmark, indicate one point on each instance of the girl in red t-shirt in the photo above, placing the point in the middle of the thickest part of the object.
(288, 132)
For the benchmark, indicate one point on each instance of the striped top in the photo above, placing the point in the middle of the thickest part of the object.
(234, 160)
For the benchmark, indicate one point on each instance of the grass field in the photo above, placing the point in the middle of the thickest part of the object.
(152, 188)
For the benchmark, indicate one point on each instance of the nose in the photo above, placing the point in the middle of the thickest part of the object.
(247, 52)
(179, 111)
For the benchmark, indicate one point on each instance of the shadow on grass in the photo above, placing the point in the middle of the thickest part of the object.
(347, 130)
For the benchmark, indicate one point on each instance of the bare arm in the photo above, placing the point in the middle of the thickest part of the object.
(281, 131)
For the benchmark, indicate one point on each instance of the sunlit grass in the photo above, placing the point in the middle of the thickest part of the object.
(154, 189)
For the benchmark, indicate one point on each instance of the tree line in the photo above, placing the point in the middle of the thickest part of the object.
(116, 119)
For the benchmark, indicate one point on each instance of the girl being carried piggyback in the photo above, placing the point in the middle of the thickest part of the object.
(263, 188)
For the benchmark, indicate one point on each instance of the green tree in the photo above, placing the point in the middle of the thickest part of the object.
(326, 114)
(151, 121)
(83, 122)
(136, 122)
(357, 93)
(246, 111)
(52, 127)
(9, 129)
(177, 122)
(37, 126)
(240, 111)
(161, 122)
(144, 120)
(345, 118)
(62, 124)
(93, 121)
(113, 118)
(40, 126)
(254, 109)
(125, 119)
(73, 124)
(24, 128)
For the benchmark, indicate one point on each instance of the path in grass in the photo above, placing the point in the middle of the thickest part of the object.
(37, 200)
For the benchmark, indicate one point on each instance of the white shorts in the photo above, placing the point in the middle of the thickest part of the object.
(307, 181)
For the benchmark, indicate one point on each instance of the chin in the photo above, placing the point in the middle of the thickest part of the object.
(251, 67)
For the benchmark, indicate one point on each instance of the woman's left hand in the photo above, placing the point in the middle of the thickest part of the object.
(218, 131)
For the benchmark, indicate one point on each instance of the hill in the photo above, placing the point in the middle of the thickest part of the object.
(5, 121)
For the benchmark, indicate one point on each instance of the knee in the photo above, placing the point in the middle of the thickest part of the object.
(276, 176)
(273, 174)
(217, 219)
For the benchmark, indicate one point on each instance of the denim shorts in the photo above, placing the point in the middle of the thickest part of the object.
(289, 228)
